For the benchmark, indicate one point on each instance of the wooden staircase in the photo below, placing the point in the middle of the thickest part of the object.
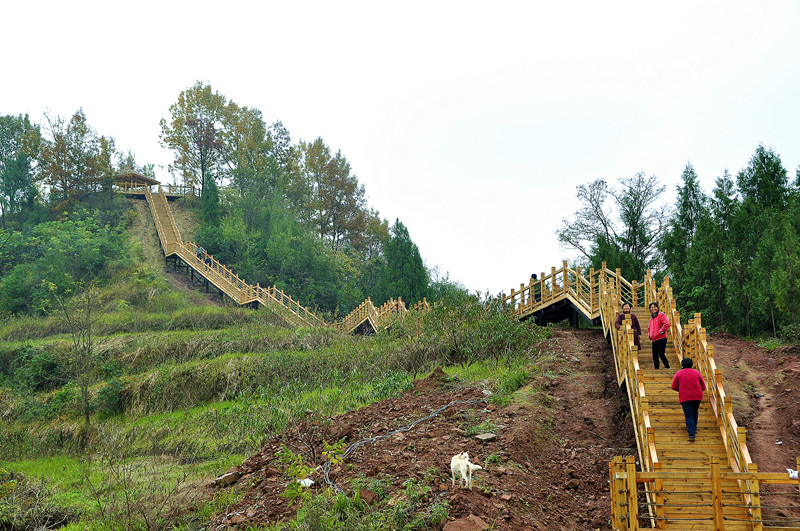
(366, 318)
(686, 502)
(215, 273)
(710, 483)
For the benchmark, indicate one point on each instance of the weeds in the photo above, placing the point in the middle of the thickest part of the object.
(137, 493)
(27, 503)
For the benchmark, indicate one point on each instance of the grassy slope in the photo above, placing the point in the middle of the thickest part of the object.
(200, 386)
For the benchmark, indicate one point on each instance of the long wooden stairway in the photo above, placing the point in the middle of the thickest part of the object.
(366, 318)
(221, 277)
(710, 483)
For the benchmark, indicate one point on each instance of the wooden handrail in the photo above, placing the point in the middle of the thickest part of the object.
(624, 477)
(689, 341)
(382, 317)
(123, 187)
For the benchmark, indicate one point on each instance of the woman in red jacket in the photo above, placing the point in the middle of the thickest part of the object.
(657, 331)
(690, 386)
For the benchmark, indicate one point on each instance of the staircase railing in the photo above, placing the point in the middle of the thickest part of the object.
(625, 503)
(689, 341)
(548, 289)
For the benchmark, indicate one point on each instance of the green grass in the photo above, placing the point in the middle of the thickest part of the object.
(770, 343)
(202, 387)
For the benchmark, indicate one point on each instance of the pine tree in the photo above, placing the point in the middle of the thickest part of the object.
(404, 275)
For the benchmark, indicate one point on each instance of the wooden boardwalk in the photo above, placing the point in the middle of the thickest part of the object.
(710, 483)
(365, 319)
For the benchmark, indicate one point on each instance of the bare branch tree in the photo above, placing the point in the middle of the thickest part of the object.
(79, 315)
(627, 234)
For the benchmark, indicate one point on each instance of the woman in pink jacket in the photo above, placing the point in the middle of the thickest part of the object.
(657, 331)
(690, 386)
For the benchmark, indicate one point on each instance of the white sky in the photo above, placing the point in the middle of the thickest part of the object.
(472, 122)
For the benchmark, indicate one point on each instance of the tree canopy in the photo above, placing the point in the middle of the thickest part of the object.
(625, 233)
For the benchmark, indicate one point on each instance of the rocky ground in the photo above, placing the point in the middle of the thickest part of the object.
(548, 466)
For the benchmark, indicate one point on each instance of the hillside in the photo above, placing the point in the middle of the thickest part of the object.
(548, 468)
(192, 401)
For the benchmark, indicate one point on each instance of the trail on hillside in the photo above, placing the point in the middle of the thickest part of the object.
(764, 385)
(554, 443)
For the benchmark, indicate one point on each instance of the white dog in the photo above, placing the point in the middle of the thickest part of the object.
(460, 464)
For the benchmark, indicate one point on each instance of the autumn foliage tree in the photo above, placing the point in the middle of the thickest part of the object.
(326, 196)
(73, 159)
(195, 134)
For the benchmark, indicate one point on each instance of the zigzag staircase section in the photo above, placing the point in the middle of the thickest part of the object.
(711, 483)
(366, 318)
(216, 273)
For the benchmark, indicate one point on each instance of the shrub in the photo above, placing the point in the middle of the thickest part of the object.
(41, 370)
(110, 398)
(64, 400)
(463, 329)
(27, 503)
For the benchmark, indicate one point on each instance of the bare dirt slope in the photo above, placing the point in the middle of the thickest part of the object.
(764, 386)
(545, 470)
(542, 472)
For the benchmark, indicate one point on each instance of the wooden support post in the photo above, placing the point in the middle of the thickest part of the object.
(565, 283)
(755, 499)
(618, 494)
(797, 464)
(634, 295)
(619, 285)
(633, 502)
(716, 495)
(658, 487)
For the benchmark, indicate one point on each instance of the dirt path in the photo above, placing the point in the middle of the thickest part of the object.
(763, 384)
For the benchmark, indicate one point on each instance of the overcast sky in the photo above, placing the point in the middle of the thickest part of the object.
(473, 123)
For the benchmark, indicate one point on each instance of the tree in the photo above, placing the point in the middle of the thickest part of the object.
(631, 243)
(404, 275)
(247, 142)
(79, 316)
(210, 207)
(19, 139)
(690, 208)
(326, 196)
(764, 188)
(195, 133)
(785, 277)
(73, 160)
(764, 183)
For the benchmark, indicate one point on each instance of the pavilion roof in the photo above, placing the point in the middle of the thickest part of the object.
(135, 177)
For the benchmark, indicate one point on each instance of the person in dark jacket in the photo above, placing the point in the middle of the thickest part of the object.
(657, 331)
(690, 386)
(637, 328)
